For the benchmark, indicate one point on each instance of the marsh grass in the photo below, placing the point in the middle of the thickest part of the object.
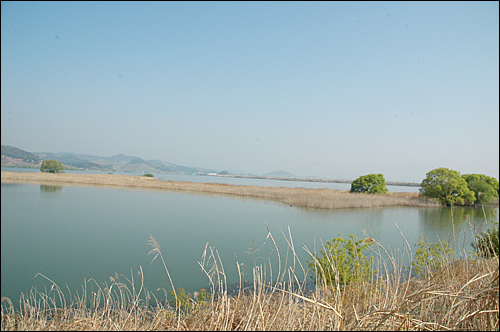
(461, 295)
(300, 197)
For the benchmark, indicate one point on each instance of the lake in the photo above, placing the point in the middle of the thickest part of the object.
(71, 233)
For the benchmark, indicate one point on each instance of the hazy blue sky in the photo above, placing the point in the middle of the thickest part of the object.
(335, 90)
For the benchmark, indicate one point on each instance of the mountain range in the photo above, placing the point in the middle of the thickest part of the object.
(13, 156)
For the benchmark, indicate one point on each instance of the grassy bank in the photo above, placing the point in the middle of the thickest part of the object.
(460, 295)
(312, 198)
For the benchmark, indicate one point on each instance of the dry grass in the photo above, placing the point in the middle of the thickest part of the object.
(463, 295)
(312, 198)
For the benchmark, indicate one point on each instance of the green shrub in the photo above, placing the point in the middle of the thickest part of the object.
(52, 166)
(343, 261)
(370, 184)
(448, 186)
(149, 175)
(483, 192)
(430, 257)
(189, 302)
(486, 243)
(470, 178)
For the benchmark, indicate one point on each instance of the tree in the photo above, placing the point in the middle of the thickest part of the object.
(485, 187)
(371, 184)
(52, 166)
(483, 192)
(446, 185)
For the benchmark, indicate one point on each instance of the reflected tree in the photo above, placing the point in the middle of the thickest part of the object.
(50, 189)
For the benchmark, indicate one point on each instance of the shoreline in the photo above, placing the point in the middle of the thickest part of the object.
(299, 197)
(258, 177)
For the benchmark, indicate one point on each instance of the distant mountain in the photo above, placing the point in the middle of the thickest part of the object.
(64, 157)
(17, 153)
(119, 162)
(119, 158)
(280, 174)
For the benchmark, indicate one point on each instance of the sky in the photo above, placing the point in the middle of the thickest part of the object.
(328, 89)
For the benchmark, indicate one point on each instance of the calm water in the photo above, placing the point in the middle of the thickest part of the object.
(74, 233)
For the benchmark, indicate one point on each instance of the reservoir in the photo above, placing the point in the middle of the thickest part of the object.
(72, 234)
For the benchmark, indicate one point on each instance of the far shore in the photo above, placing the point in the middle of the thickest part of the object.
(300, 197)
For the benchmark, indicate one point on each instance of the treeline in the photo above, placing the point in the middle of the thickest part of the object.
(446, 185)
(452, 188)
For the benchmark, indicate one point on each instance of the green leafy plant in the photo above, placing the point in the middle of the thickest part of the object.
(485, 187)
(430, 257)
(189, 301)
(446, 185)
(486, 243)
(149, 175)
(52, 166)
(493, 182)
(484, 192)
(343, 261)
(370, 184)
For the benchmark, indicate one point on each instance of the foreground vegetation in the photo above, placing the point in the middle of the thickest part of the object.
(438, 292)
(312, 198)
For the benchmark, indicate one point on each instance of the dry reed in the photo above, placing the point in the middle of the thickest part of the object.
(300, 197)
(462, 295)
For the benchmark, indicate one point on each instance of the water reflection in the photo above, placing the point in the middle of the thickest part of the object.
(440, 220)
(49, 189)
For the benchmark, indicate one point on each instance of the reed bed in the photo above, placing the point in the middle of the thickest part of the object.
(461, 295)
(300, 197)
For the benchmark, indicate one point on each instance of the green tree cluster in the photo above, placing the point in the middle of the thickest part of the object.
(371, 184)
(52, 166)
(452, 188)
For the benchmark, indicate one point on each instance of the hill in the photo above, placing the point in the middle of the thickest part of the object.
(16, 153)
(12, 156)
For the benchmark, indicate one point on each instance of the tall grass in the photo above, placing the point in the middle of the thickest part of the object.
(301, 197)
(461, 295)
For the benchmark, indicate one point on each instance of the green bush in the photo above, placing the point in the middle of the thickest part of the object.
(343, 261)
(486, 243)
(189, 302)
(430, 257)
(485, 187)
(149, 175)
(470, 178)
(448, 186)
(370, 184)
(483, 192)
(52, 166)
